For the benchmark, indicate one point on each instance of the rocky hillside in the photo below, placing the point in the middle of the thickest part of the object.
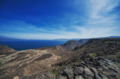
(94, 48)
(70, 45)
(107, 46)
(5, 49)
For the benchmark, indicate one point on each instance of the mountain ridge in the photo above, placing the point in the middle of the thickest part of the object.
(3, 38)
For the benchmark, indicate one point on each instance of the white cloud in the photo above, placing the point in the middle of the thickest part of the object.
(100, 23)
(98, 8)
(90, 32)
(67, 35)
(20, 26)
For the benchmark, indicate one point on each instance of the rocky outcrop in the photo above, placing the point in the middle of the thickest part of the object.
(101, 47)
(90, 68)
(5, 49)
(70, 45)
(82, 41)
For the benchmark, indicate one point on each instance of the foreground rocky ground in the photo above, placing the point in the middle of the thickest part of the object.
(90, 68)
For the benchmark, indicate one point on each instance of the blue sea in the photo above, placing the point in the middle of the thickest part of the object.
(31, 44)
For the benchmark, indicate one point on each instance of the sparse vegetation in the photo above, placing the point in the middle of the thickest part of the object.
(93, 54)
(79, 61)
(54, 71)
(33, 76)
(114, 57)
(1, 63)
(63, 65)
(118, 41)
(57, 68)
(76, 62)
(108, 42)
(111, 57)
(118, 57)
(56, 74)
(92, 46)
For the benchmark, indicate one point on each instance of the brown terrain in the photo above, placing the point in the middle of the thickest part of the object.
(29, 62)
(40, 60)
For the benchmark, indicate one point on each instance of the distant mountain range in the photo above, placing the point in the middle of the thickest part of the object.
(4, 38)
(111, 37)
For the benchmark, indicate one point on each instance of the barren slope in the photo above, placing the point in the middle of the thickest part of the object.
(29, 62)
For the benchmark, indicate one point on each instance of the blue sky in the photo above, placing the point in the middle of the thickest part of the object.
(56, 19)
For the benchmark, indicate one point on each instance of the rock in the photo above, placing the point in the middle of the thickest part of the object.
(97, 76)
(115, 70)
(87, 77)
(25, 77)
(38, 76)
(78, 70)
(110, 73)
(103, 76)
(45, 76)
(69, 72)
(49, 76)
(16, 77)
(70, 45)
(88, 72)
(61, 77)
(5, 49)
(79, 77)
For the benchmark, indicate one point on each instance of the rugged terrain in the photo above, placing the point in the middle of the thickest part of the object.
(28, 62)
(90, 68)
(95, 47)
(36, 61)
